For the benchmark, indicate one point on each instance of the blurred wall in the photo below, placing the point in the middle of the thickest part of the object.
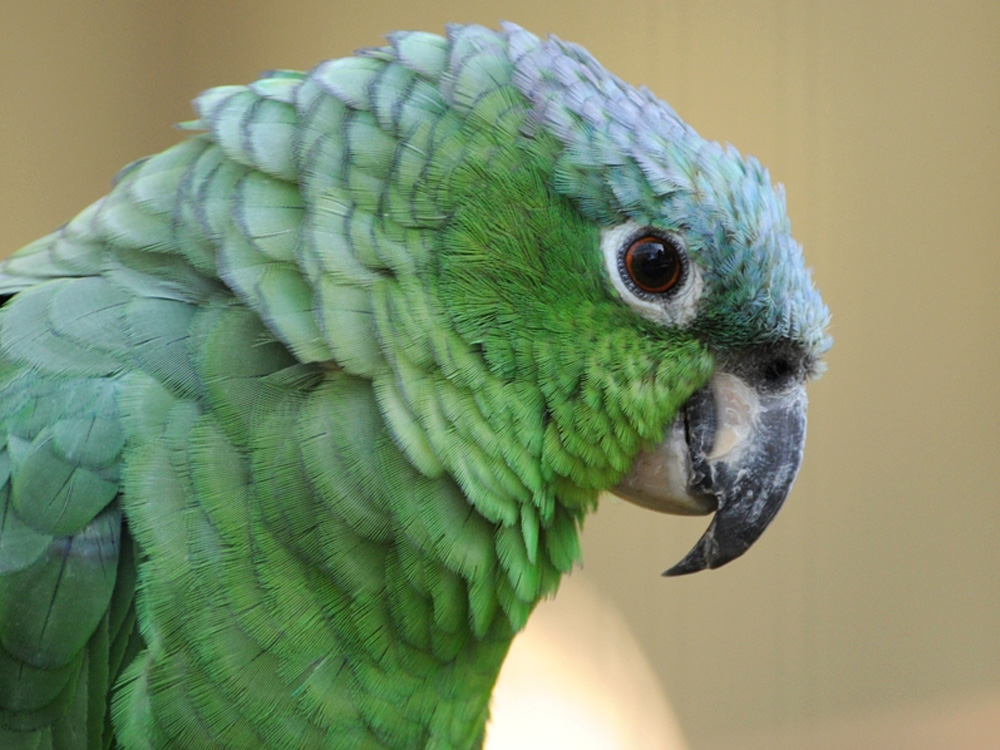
(876, 588)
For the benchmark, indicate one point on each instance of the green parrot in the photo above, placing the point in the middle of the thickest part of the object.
(302, 419)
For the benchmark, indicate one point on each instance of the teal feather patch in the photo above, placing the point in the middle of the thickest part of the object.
(74, 579)
(52, 491)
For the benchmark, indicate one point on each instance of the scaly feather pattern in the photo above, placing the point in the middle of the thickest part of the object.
(301, 420)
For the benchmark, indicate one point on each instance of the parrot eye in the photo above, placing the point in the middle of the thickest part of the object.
(654, 264)
(651, 271)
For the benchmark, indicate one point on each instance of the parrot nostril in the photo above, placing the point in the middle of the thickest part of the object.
(778, 372)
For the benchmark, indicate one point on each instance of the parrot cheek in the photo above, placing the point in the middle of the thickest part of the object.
(734, 449)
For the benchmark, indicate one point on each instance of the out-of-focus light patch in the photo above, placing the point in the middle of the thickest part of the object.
(576, 678)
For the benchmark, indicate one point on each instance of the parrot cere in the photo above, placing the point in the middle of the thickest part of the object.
(303, 418)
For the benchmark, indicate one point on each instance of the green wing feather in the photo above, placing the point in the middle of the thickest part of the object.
(66, 569)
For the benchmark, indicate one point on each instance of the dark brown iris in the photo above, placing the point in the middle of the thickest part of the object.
(654, 264)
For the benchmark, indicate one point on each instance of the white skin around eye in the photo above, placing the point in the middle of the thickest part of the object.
(676, 310)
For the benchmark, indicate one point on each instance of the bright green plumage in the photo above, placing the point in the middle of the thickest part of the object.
(301, 420)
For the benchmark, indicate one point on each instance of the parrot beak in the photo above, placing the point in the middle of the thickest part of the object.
(734, 449)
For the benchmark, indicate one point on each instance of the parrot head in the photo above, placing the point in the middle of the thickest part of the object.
(648, 281)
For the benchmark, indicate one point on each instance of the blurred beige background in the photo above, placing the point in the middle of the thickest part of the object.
(868, 616)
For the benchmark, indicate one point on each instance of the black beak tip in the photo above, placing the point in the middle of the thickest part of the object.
(693, 562)
(684, 567)
(706, 554)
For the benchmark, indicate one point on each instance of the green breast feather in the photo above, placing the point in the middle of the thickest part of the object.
(301, 420)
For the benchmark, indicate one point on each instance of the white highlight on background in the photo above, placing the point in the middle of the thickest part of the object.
(577, 679)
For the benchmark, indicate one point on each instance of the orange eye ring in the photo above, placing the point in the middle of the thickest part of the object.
(654, 264)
